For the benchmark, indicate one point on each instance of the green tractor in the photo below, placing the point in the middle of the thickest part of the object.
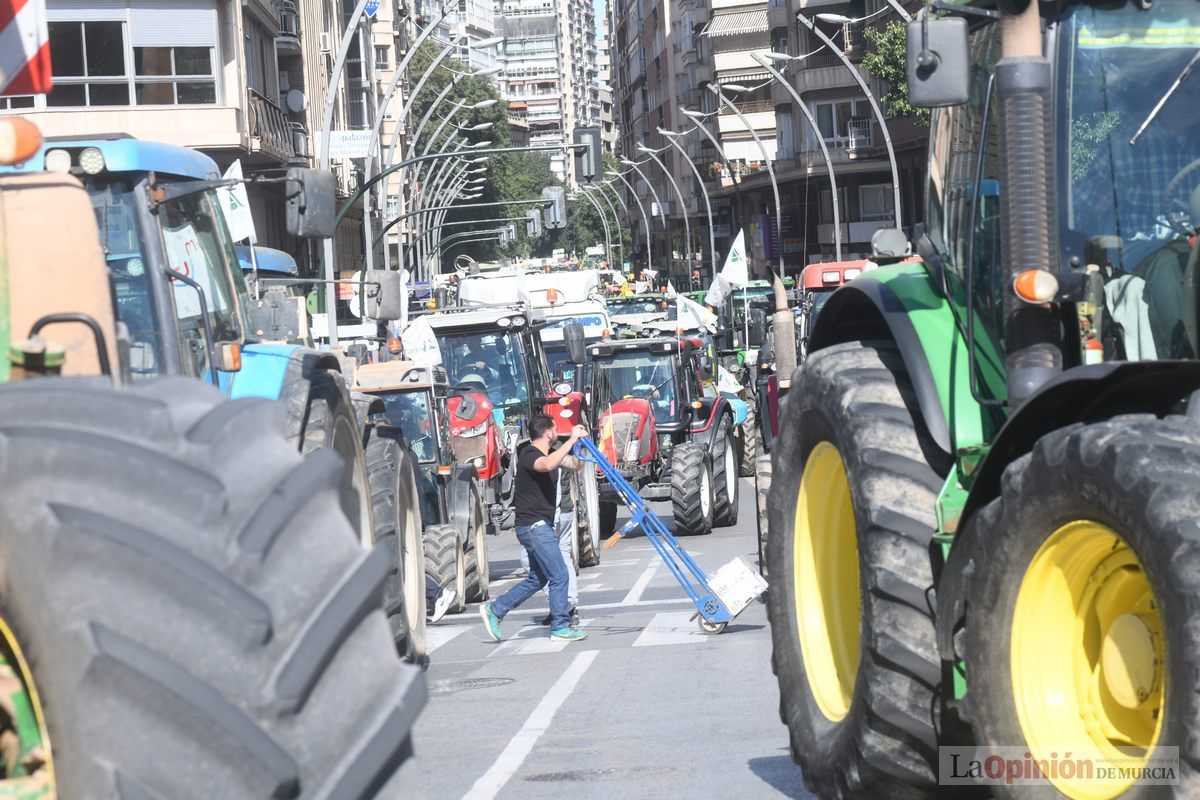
(983, 520)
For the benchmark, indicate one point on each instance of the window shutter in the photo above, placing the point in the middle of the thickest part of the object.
(85, 10)
(173, 23)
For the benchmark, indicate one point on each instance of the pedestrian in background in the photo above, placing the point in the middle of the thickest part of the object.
(535, 500)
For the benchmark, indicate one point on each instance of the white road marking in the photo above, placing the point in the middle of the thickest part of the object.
(541, 611)
(671, 627)
(590, 574)
(521, 745)
(639, 586)
(513, 643)
(621, 562)
(549, 644)
(438, 635)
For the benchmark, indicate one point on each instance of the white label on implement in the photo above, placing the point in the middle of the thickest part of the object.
(737, 585)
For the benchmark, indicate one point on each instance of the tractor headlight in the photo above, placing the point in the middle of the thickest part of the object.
(58, 161)
(91, 161)
(631, 451)
(474, 430)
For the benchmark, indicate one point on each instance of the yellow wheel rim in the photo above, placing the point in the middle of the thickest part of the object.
(42, 784)
(1088, 655)
(825, 582)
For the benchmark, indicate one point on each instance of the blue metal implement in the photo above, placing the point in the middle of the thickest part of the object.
(682, 566)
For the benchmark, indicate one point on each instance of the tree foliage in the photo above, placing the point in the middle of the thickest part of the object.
(886, 62)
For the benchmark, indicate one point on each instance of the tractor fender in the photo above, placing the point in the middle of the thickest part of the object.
(868, 308)
(1081, 394)
(717, 407)
(271, 370)
(458, 501)
(367, 405)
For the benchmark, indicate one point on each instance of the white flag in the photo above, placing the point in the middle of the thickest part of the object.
(691, 314)
(736, 271)
(236, 205)
(718, 290)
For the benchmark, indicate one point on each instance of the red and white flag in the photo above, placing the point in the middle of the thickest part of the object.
(24, 47)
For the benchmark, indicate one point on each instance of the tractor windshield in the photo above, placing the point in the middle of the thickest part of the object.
(410, 412)
(639, 374)
(650, 306)
(1130, 172)
(492, 360)
(191, 235)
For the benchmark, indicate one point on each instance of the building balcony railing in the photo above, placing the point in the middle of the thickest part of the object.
(287, 43)
(269, 127)
(751, 107)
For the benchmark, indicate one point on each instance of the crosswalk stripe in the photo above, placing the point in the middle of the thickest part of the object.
(438, 635)
(671, 627)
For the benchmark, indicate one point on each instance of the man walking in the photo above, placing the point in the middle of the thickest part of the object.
(535, 497)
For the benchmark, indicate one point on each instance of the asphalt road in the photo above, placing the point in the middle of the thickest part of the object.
(646, 707)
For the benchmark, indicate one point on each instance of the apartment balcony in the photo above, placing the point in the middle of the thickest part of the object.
(823, 71)
(854, 43)
(759, 114)
(287, 42)
(737, 60)
(805, 5)
(778, 14)
(268, 128)
(693, 98)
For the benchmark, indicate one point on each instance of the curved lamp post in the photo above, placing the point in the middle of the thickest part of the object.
(774, 73)
(721, 98)
(662, 216)
(616, 219)
(697, 118)
(641, 208)
(603, 221)
(672, 138)
(862, 84)
(687, 225)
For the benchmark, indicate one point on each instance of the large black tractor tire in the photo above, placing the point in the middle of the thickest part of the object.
(1098, 512)
(324, 418)
(479, 573)
(762, 491)
(691, 490)
(724, 477)
(588, 519)
(397, 522)
(189, 601)
(747, 440)
(851, 588)
(446, 563)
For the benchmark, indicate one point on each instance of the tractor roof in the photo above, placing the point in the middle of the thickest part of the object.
(473, 316)
(608, 348)
(399, 376)
(126, 154)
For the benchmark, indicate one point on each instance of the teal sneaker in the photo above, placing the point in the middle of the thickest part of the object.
(569, 634)
(490, 620)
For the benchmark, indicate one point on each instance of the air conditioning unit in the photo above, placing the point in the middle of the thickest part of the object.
(326, 42)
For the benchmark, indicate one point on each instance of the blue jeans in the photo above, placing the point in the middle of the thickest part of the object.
(545, 567)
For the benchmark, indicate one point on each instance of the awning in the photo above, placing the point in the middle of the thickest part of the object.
(744, 78)
(737, 23)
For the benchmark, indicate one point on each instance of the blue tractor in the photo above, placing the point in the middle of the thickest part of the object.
(183, 308)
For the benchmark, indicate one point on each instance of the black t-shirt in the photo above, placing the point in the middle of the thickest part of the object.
(534, 493)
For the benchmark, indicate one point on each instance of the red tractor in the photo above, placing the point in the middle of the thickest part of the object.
(654, 423)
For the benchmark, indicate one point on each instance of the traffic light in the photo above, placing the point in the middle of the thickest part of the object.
(587, 159)
(556, 211)
(533, 223)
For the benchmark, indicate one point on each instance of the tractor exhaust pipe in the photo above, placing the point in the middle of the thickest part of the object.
(1029, 208)
(783, 329)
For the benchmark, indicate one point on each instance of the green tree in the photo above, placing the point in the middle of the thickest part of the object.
(886, 61)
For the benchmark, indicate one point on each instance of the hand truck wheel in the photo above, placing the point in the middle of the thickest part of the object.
(711, 628)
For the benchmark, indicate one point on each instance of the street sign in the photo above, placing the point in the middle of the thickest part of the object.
(25, 54)
(348, 144)
(371, 8)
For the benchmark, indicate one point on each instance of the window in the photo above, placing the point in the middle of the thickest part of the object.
(118, 63)
(840, 123)
(89, 64)
(174, 76)
(876, 202)
(827, 206)
(381, 57)
(15, 102)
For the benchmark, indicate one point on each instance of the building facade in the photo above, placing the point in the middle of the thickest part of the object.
(711, 44)
(550, 70)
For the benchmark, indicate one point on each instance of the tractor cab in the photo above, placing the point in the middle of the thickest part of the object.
(494, 350)
(414, 400)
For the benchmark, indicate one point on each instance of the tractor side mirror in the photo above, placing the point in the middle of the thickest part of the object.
(758, 326)
(936, 62)
(576, 346)
(310, 205)
(389, 304)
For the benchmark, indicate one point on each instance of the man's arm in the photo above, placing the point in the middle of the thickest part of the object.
(551, 461)
(571, 462)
